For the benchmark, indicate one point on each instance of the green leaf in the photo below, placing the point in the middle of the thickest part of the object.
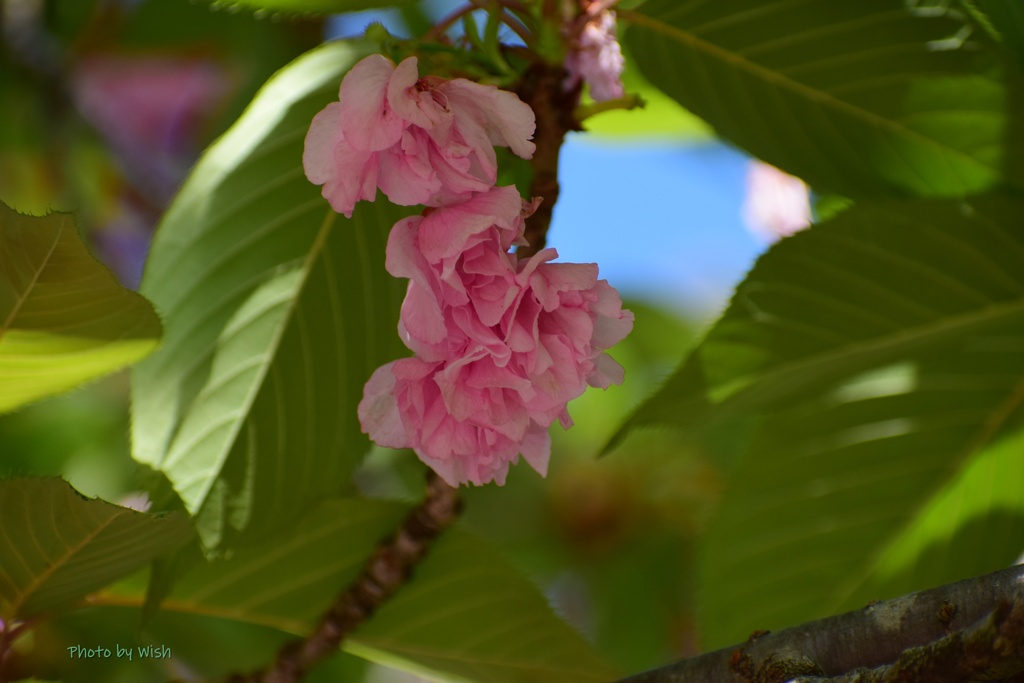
(873, 285)
(277, 311)
(875, 357)
(210, 649)
(972, 525)
(1006, 18)
(863, 99)
(64, 319)
(289, 582)
(471, 615)
(466, 613)
(899, 480)
(310, 6)
(57, 546)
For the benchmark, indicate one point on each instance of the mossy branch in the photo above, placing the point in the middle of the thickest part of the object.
(965, 632)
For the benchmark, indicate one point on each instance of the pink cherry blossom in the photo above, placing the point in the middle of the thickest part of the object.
(404, 407)
(456, 256)
(596, 58)
(420, 140)
(502, 345)
(777, 204)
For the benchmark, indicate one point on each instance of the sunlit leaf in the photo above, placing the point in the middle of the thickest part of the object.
(57, 546)
(873, 285)
(901, 480)
(466, 613)
(862, 99)
(277, 310)
(64, 319)
(973, 524)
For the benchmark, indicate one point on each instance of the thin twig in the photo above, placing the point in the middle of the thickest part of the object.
(438, 29)
(625, 103)
(516, 26)
(387, 570)
(514, 22)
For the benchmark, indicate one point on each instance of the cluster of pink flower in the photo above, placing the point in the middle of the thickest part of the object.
(501, 343)
(596, 56)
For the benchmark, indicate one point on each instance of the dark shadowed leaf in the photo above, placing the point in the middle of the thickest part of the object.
(64, 319)
(862, 98)
(56, 546)
(1006, 19)
(277, 310)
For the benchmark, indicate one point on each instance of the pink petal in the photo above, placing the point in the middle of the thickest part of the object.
(446, 231)
(378, 411)
(347, 174)
(422, 317)
(318, 152)
(450, 470)
(506, 120)
(367, 120)
(536, 449)
(612, 323)
(606, 372)
(420, 108)
(406, 175)
(451, 380)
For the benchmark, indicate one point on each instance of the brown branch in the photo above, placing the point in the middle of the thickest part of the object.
(981, 619)
(542, 88)
(992, 649)
(387, 570)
